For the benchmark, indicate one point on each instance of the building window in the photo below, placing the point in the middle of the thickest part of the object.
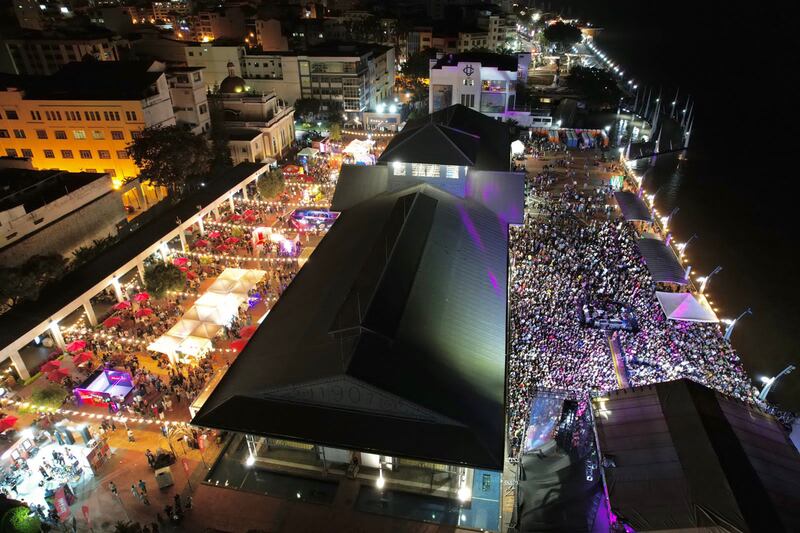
(468, 100)
(469, 83)
(130, 116)
(98, 135)
(41, 134)
(10, 152)
(136, 134)
(61, 134)
(423, 170)
(117, 135)
(399, 169)
(11, 114)
(27, 152)
(35, 115)
(122, 154)
(86, 154)
(111, 115)
(3, 134)
(79, 134)
(452, 172)
(19, 134)
(104, 154)
(49, 154)
(66, 154)
(203, 109)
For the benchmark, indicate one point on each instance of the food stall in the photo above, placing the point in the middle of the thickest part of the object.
(103, 386)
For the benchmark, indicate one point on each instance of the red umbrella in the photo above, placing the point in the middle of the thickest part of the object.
(249, 212)
(7, 422)
(49, 366)
(142, 297)
(143, 312)
(247, 331)
(58, 375)
(184, 269)
(200, 243)
(249, 218)
(238, 344)
(191, 275)
(180, 261)
(81, 358)
(111, 322)
(74, 346)
(214, 235)
(231, 240)
(222, 248)
(236, 217)
(121, 305)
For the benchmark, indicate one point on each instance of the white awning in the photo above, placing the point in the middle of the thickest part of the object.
(685, 307)
(517, 147)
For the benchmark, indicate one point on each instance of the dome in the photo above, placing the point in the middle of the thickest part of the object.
(233, 83)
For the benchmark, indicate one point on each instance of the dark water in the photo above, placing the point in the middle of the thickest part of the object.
(738, 187)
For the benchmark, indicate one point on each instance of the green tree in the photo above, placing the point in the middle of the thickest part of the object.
(127, 527)
(597, 85)
(170, 157)
(160, 277)
(306, 109)
(85, 253)
(20, 520)
(24, 282)
(336, 131)
(417, 66)
(562, 35)
(50, 396)
(271, 184)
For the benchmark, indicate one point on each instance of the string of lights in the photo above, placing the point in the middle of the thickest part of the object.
(43, 409)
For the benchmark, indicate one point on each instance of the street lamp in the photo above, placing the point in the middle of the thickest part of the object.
(770, 382)
(682, 247)
(732, 324)
(704, 280)
(672, 214)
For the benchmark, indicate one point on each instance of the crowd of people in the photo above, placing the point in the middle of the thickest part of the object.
(576, 249)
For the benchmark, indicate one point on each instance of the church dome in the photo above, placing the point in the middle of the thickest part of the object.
(232, 84)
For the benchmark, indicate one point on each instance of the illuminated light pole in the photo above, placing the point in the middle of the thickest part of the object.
(682, 247)
(704, 280)
(732, 324)
(770, 382)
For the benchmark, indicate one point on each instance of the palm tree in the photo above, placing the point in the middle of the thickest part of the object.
(127, 527)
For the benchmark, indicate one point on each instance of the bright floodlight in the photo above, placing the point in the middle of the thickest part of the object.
(380, 482)
(250, 461)
(392, 108)
(464, 494)
(764, 379)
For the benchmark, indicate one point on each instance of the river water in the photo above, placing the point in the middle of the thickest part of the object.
(737, 188)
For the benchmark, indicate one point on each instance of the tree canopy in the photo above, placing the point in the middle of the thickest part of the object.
(271, 184)
(170, 157)
(597, 85)
(24, 282)
(312, 110)
(562, 34)
(418, 65)
(160, 277)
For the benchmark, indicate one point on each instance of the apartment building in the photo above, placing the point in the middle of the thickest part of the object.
(187, 88)
(82, 119)
(357, 75)
(44, 52)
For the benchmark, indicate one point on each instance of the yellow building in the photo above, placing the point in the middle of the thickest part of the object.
(83, 118)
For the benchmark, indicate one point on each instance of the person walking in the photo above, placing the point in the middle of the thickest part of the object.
(130, 436)
(135, 492)
(113, 489)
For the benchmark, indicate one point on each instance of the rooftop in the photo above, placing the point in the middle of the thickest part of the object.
(368, 350)
(486, 59)
(36, 188)
(88, 80)
(243, 134)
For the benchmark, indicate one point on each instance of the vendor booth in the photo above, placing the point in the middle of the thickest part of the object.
(360, 152)
(308, 219)
(103, 387)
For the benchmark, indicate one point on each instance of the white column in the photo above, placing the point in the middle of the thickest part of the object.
(19, 364)
(140, 269)
(164, 249)
(117, 289)
(230, 200)
(87, 306)
(184, 244)
(56, 332)
(244, 193)
(216, 214)
(200, 224)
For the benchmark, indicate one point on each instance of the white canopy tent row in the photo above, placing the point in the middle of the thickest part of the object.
(193, 334)
(685, 307)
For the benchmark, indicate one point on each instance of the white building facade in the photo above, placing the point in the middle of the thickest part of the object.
(483, 82)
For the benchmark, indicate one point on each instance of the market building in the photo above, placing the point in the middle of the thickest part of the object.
(393, 329)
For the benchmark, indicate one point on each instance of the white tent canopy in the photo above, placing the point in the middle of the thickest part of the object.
(183, 328)
(685, 307)
(166, 344)
(308, 152)
(517, 147)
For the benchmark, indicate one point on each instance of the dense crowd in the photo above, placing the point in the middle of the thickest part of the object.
(578, 252)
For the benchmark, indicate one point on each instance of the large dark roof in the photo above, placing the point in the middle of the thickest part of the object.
(89, 80)
(633, 207)
(486, 59)
(688, 458)
(457, 131)
(390, 339)
(35, 188)
(27, 315)
(661, 261)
